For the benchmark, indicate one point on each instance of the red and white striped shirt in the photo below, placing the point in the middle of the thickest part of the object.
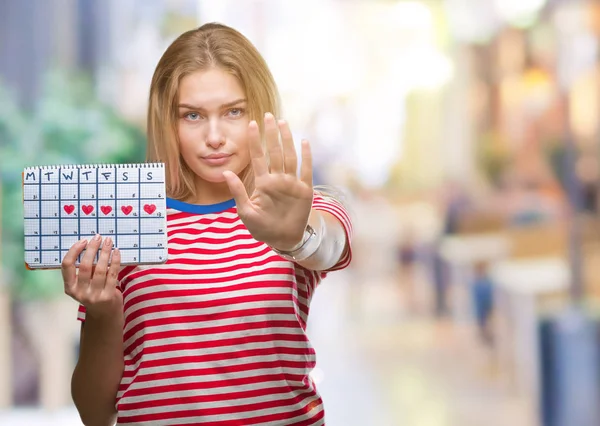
(217, 335)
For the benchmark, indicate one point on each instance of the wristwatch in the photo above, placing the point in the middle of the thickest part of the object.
(309, 245)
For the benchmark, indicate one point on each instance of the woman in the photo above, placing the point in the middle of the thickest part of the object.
(216, 335)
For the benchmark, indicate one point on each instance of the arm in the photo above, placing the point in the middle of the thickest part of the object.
(98, 371)
(96, 378)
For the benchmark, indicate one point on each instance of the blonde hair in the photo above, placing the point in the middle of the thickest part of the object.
(210, 46)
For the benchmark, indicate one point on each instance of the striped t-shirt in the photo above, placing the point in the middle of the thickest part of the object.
(217, 335)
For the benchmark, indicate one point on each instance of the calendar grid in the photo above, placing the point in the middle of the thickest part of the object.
(126, 202)
(116, 238)
(78, 208)
(124, 234)
(139, 214)
(124, 249)
(59, 214)
(100, 183)
(40, 208)
(97, 210)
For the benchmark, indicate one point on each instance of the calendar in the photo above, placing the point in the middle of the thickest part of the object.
(63, 204)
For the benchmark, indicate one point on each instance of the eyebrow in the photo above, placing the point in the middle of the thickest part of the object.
(227, 105)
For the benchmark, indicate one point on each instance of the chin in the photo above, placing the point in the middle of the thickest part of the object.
(213, 177)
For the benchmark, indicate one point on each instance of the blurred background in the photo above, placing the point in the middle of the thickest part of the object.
(466, 135)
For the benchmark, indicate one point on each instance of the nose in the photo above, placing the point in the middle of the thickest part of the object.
(215, 137)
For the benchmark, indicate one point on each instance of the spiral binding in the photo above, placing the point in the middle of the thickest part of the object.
(98, 166)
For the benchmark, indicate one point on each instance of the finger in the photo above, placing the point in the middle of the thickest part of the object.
(99, 277)
(273, 145)
(257, 155)
(306, 170)
(237, 188)
(290, 159)
(68, 268)
(112, 276)
(87, 262)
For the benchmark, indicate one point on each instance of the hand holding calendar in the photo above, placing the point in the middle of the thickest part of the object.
(63, 204)
(94, 287)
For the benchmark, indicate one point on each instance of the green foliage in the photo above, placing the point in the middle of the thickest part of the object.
(68, 125)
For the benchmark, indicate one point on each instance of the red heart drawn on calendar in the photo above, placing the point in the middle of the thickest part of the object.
(106, 209)
(70, 208)
(87, 209)
(149, 208)
(126, 209)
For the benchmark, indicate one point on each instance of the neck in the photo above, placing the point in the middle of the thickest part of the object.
(209, 193)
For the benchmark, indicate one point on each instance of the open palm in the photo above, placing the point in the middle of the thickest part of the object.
(277, 211)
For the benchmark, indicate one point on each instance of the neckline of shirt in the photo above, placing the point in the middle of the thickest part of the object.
(182, 206)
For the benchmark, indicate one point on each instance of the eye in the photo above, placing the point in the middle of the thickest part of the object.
(235, 112)
(192, 116)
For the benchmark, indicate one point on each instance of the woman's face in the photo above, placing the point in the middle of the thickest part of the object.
(212, 125)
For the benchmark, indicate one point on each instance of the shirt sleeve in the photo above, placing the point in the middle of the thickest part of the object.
(337, 209)
(81, 313)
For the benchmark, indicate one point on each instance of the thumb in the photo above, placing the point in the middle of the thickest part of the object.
(237, 188)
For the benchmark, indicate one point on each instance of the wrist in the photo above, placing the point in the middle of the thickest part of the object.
(105, 314)
(289, 246)
(310, 242)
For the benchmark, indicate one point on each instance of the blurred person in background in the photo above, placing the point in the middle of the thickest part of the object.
(218, 333)
(407, 257)
(455, 204)
(482, 293)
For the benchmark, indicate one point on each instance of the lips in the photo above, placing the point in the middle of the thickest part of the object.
(216, 156)
(216, 159)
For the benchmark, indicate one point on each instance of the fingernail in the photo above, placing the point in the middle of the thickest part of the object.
(83, 241)
(268, 115)
(107, 241)
(96, 237)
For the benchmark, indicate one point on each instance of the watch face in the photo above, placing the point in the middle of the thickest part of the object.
(309, 230)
